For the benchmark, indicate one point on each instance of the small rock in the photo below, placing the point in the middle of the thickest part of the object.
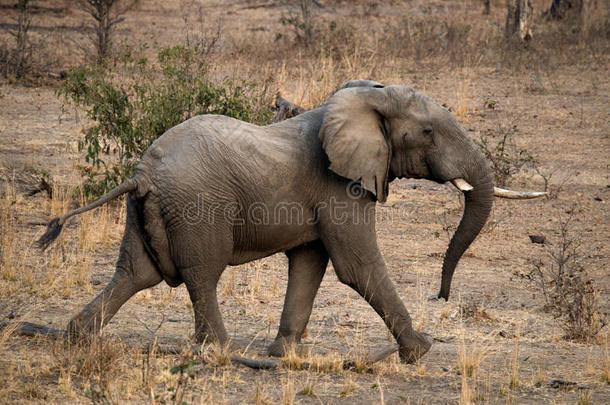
(414, 186)
(445, 369)
(537, 239)
(505, 334)
(597, 199)
(12, 315)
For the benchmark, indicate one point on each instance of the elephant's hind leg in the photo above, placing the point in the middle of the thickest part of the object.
(134, 272)
(307, 265)
(202, 252)
(201, 282)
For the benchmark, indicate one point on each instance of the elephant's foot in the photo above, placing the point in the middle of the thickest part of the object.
(82, 327)
(415, 347)
(282, 345)
(207, 337)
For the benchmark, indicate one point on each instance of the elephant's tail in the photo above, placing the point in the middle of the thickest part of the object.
(54, 227)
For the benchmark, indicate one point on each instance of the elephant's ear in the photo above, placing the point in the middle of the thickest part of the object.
(353, 137)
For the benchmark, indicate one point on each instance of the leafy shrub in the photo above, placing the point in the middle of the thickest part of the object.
(500, 149)
(569, 292)
(132, 107)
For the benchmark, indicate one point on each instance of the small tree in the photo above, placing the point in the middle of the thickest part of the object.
(570, 293)
(17, 60)
(303, 22)
(107, 14)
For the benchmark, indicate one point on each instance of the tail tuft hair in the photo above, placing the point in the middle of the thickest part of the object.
(53, 231)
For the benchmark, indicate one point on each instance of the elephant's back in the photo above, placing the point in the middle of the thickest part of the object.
(218, 140)
(214, 153)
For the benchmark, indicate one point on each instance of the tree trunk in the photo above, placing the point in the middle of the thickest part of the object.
(519, 20)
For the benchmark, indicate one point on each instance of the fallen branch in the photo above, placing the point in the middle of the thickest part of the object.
(33, 329)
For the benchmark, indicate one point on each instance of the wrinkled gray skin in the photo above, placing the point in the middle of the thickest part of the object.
(198, 200)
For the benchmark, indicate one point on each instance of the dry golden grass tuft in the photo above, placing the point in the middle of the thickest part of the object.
(514, 363)
(292, 359)
(102, 368)
(462, 95)
(470, 357)
(349, 386)
(600, 367)
(585, 398)
(288, 391)
(11, 260)
(216, 354)
(260, 395)
(605, 365)
(308, 388)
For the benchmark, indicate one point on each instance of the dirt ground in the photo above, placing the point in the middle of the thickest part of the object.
(495, 320)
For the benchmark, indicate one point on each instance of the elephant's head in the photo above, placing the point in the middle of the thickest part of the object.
(376, 134)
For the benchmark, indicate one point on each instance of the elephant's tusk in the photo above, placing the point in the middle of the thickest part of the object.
(518, 195)
(462, 185)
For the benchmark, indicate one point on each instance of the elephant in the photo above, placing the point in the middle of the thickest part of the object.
(214, 192)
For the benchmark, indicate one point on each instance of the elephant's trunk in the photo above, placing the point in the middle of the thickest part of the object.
(478, 205)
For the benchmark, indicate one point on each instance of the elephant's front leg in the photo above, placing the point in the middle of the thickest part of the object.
(353, 250)
(307, 264)
(371, 281)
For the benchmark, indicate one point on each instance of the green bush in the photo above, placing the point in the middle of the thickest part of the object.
(138, 101)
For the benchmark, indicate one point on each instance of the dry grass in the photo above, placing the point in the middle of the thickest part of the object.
(461, 96)
(288, 392)
(102, 368)
(470, 357)
(349, 386)
(599, 367)
(514, 363)
(605, 365)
